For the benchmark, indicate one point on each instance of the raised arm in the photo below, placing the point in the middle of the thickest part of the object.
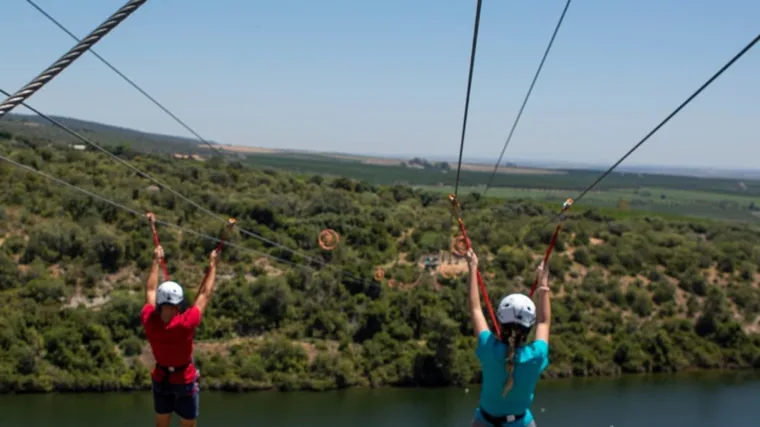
(152, 284)
(209, 280)
(476, 311)
(543, 305)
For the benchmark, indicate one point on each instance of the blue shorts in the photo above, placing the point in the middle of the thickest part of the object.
(184, 399)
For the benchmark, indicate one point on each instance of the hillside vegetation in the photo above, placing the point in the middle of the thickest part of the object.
(634, 293)
(37, 129)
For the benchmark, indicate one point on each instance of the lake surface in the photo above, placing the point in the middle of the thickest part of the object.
(705, 401)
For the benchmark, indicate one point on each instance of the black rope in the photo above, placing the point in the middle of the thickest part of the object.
(128, 80)
(69, 57)
(527, 97)
(671, 115)
(469, 87)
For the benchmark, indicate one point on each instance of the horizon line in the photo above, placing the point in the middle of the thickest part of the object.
(521, 162)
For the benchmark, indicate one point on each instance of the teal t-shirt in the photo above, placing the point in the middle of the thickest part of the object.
(530, 362)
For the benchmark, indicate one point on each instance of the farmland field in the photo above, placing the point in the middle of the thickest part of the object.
(571, 180)
(668, 201)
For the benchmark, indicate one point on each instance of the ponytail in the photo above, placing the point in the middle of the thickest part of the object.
(510, 366)
(514, 336)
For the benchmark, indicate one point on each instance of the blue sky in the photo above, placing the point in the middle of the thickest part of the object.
(389, 77)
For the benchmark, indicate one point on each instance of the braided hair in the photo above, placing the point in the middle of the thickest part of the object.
(513, 335)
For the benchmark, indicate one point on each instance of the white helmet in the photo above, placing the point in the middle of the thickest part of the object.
(517, 308)
(169, 293)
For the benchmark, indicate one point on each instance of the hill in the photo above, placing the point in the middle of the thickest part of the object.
(39, 129)
(109, 135)
(634, 292)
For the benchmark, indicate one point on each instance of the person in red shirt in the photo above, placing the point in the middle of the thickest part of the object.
(170, 332)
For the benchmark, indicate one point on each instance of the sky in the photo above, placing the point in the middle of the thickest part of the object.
(389, 77)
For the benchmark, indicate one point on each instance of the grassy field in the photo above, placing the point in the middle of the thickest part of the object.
(725, 199)
(572, 181)
(668, 201)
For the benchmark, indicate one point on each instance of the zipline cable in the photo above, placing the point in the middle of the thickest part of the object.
(568, 204)
(138, 214)
(453, 197)
(736, 57)
(69, 57)
(161, 184)
(128, 80)
(527, 97)
(473, 50)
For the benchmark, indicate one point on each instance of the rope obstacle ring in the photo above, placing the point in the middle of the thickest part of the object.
(459, 246)
(329, 239)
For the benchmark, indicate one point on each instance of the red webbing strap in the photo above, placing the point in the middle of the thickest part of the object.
(481, 284)
(546, 258)
(225, 234)
(567, 205)
(157, 242)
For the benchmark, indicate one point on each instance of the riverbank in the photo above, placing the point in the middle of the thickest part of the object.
(674, 400)
(30, 386)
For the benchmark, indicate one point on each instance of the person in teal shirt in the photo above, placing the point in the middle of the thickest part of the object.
(511, 366)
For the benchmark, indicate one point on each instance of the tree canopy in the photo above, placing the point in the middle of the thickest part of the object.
(633, 293)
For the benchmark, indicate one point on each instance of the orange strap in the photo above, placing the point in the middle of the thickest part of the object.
(225, 234)
(157, 242)
(565, 207)
(481, 284)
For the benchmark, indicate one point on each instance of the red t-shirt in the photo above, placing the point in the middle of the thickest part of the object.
(172, 343)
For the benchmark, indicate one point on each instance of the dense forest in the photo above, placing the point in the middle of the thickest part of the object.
(633, 293)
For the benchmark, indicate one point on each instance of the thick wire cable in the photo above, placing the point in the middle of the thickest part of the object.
(69, 57)
(736, 57)
(138, 214)
(527, 96)
(162, 185)
(130, 82)
(473, 50)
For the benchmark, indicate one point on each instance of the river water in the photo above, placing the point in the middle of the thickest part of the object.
(705, 401)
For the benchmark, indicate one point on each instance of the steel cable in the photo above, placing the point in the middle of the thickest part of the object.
(69, 57)
(129, 81)
(527, 97)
